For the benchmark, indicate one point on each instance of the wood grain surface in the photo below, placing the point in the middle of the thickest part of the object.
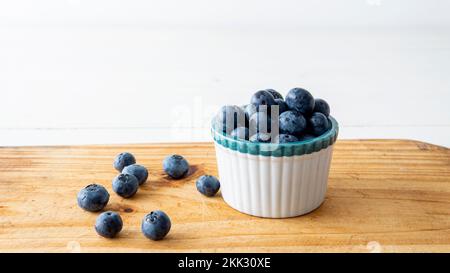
(383, 196)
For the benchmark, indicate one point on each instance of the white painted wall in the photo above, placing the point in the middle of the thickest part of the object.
(74, 72)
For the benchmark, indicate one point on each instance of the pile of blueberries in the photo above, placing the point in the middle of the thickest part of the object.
(298, 117)
(156, 224)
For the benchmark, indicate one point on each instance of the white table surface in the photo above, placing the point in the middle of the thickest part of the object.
(63, 82)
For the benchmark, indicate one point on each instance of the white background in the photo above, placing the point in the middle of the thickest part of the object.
(75, 72)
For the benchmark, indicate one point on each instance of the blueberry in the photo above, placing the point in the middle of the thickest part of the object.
(108, 224)
(319, 123)
(122, 160)
(249, 110)
(260, 122)
(260, 137)
(292, 123)
(300, 100)
(140, 172)
(175, 166)
(285, 138)
(306, 136)
(263, 98)
(156, 225)
(125, 185)
(282, 106)
(93, 197)
(240, 133)
(321, 106)
(275, 94)
(229, 117)
(208, 185)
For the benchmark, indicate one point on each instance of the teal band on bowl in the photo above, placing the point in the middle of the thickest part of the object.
(275, 149)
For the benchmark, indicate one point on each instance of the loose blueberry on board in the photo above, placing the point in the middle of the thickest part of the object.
(263, 100)
(282, 106)
(240, 133)
(108, 224)
(156, 225)
(292, 123)
(321, 106)
(93, 198)
(260, 122)
(319, 123)
(139, 171)
(275, 94)
(285, 138)
(125, 185)
(122, 160)
(208, 185)
(175, 166)
(300, 100)
(260, 137)
(229, 117)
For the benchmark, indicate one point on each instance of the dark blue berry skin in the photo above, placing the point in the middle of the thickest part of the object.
(260, 138)
(156, 225)
(229, 117)
(140, 172)
(175, 166)
(321, 106)
(263, 100)
(275, 94)
(282, 106)
(249, 110)
(93, 198)
(122, 160)
(292, 123)
(330, 124)
(125, 185)
(284, 138)
(208, 185)
(108, 224)
(240, 133)
(300, 100)
(306, 136)
(318, 123)
(260, 122)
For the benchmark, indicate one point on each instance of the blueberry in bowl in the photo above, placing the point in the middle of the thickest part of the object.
(263, 100)
(261, 138)
(282, 106)
(319, 123)
(229, 118)
(276, 95)
(306, 137)
(249, 110)
(300, 100)
(240, 133)
(321, 106)
(285, 138)
(260, 122)
(292, 123)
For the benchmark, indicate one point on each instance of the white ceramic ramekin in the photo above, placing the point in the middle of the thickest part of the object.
(274, 180)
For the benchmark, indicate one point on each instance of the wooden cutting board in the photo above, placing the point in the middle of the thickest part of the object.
(383, 196)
